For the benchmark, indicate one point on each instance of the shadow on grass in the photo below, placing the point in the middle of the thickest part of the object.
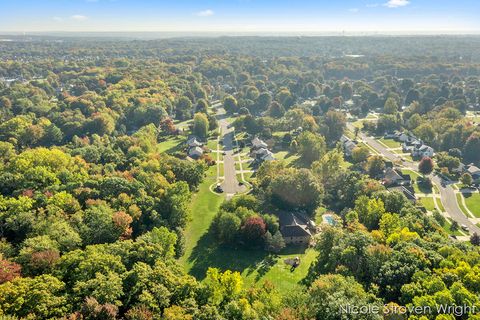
(424, 185)
(467, 193)
(208, 253)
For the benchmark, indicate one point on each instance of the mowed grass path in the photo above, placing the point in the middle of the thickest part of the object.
(203, 207)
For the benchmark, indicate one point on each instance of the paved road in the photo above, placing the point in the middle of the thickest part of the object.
(447, 193)
(449, 201)
(230, 184)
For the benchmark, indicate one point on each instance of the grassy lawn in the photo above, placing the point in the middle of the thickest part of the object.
(460, 204)
(390, 143)
(411, 173)
(286, 156)
(447, 226)
(221, 172)
(204, 206)
(349, 134)
(183, 124)
(428, 203)
(473, 204)
(279, 134)
(212, 143)
(274, 269)
(171, 144)
(358, 124)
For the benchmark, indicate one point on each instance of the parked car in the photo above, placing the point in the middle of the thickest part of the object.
(464, 227)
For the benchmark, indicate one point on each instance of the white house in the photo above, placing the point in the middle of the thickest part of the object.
(193, 142)
(258, 143)
(195, 152)
(422, 151)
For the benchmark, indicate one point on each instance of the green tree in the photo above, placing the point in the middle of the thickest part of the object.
(43, 296)
(329, 293)
(227, 225)
(369, 211)
(335, 124)
(360, 154)
(375, 165)
(200, 125)
(274, 243)
(230, 104)
(466, 179)
(311, 147)
(391, 106)
(183, 108)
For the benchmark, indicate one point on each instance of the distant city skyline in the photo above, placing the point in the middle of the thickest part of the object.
(241, 16)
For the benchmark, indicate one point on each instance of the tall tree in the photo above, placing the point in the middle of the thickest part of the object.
(200, 125)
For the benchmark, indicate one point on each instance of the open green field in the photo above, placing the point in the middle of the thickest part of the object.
(473, 203)
(274, 269)
(203, 207)
(171, 144)
(390, 143)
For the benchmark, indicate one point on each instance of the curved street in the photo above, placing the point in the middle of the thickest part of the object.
(447, 193)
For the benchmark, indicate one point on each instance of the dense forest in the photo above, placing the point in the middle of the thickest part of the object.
(98, 194)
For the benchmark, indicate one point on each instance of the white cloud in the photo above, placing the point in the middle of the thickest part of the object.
(79, 17)
(354, 10)
(57, 19)
(397, 3)
(205, 13)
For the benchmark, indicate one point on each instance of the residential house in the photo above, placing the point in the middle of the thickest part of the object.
(258, 143)
(393, 135)
(295, 230)
(474, 171)
(422, 151)
(259, 151)
(392, 177)
(195, 153)
(193, 142)
(263, 154)
(348, 146)
(407, 191)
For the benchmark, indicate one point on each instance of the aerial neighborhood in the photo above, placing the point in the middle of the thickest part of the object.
(246, 177)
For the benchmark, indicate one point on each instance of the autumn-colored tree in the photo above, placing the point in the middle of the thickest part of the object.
(254, 229)
(9, 270)
(426, 166)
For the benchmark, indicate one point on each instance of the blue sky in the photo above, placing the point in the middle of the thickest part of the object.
(302, 16)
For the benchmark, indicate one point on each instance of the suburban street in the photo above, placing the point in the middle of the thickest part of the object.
(230, 183)
(447, 193)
